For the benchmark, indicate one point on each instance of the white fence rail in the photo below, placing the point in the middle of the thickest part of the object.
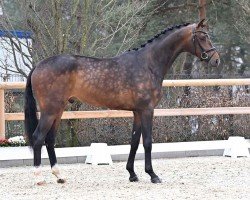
(114, 113)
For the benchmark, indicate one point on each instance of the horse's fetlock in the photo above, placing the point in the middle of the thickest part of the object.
(149, 170)
(129, 168)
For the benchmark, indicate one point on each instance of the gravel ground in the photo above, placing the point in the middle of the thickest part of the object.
(184, 178)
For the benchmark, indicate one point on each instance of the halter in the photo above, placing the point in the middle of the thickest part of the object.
(204, 53)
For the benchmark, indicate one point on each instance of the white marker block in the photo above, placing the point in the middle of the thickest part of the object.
(237, 147)
(99, 154)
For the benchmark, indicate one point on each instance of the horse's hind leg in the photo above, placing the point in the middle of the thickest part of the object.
(136, 134)
(50, 143)
(45, 123)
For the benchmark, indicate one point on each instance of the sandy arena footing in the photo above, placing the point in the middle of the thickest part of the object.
(183, 178)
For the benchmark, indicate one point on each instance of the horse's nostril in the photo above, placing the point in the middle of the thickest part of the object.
(217, 61)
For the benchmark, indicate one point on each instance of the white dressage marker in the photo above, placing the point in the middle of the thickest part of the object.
(99, 154)
(237, 147)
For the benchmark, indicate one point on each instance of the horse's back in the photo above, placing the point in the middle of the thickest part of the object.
(100, 82)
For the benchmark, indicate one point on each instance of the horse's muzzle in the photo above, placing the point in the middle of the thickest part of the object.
(214, 62)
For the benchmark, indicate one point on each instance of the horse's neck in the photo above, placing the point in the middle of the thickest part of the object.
(165, 51)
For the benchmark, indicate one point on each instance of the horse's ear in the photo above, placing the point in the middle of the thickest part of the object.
(201, 24)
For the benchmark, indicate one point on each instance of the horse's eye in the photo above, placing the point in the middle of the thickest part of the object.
(203, 38)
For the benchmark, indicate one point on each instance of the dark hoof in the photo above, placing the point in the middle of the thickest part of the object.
(156, 180)
(60, 180)
(133, 179)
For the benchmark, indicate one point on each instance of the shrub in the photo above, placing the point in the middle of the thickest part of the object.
(4, 142)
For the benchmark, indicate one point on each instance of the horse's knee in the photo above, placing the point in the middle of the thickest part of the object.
(147, 144)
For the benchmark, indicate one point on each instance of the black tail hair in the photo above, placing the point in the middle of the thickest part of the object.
(30, 111)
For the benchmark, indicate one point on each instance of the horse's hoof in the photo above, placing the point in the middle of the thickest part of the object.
(61, 180)
(41, 183)
(156, 180)
(133, 179)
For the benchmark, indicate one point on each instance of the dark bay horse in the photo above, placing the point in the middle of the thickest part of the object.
(131, 81)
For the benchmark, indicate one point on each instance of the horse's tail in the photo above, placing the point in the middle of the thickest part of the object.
(30, 111)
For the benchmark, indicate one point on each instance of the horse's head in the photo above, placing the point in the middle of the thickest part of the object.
(201, 44)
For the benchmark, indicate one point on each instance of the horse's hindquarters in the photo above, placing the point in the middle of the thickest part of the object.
(52, 90)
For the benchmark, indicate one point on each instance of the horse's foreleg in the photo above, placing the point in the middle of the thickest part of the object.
(136, 134)
(39, 136)
(50, 145)
(147, 121)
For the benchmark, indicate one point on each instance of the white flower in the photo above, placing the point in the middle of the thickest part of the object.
(17, 140)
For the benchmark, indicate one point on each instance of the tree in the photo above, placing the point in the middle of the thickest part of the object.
(108, 27)
(76, 27)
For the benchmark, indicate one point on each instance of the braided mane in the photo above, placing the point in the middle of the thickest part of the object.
(165, 32)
